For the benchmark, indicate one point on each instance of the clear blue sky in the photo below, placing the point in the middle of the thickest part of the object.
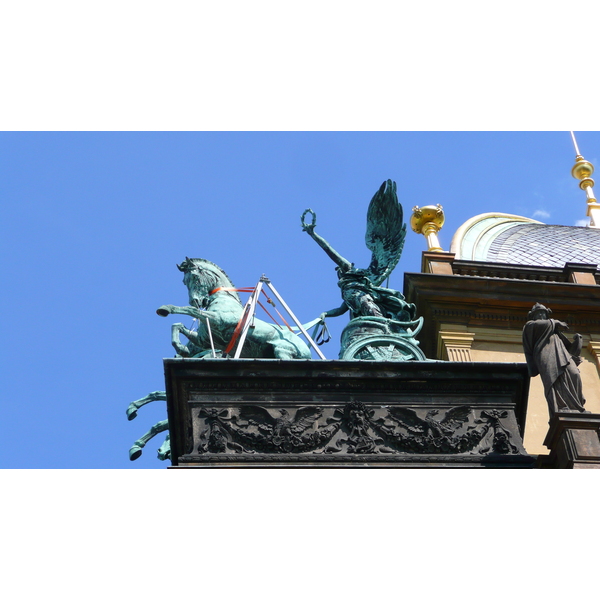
(94, 224)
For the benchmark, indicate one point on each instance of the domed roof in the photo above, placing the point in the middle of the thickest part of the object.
(510, 239)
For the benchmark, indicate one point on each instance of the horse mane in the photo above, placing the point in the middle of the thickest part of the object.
(209, 273)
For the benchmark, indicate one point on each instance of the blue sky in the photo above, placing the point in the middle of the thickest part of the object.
(94, 224)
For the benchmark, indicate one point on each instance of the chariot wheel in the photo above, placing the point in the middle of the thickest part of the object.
(382, 348)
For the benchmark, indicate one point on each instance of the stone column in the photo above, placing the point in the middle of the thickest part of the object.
(455, 345)
(594, 348)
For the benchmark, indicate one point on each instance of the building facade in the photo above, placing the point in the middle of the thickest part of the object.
(476, 298)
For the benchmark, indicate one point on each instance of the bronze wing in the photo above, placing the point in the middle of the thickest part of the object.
(385, 232)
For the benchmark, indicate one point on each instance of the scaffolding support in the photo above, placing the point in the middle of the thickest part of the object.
(248, 314)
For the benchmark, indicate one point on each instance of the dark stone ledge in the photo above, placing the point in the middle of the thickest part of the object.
(346, 413)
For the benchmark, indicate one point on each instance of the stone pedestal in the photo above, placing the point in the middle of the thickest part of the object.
(272, 413)
(574, 442)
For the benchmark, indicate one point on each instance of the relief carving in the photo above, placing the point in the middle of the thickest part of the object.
(354, 429)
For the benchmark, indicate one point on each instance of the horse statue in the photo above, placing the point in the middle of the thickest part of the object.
(213, 298)
(215, 303)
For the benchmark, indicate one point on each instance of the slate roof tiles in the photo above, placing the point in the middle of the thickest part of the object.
(545, 245)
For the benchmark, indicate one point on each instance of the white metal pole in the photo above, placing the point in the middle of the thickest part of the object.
(212, 344)
(248, 318)
(289, 311)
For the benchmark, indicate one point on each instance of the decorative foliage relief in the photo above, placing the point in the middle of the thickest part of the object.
(354, 428)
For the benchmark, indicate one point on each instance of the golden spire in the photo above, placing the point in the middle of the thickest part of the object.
(428, 220)
(582, 169)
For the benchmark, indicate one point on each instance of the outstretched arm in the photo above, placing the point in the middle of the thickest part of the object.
(335, 312)
(310, 229)
(560, 326)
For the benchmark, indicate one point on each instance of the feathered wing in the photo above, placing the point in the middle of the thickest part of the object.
(456, 416)
(258, 414)
(385, 232)
(406, 417)
(304, 418)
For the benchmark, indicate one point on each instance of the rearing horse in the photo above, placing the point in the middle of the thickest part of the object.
(213, 299)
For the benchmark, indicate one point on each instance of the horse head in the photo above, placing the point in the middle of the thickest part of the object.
(201, 277)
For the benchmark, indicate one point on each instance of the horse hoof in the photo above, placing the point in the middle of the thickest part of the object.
(131, 413)
(135, 452)
(163, 311)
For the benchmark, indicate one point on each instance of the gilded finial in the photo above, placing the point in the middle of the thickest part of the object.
(428, 220)
(582, 170)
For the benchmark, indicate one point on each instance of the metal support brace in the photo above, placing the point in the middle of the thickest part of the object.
(212, 344)
(250, 310)
(289, 311)
(248, 317)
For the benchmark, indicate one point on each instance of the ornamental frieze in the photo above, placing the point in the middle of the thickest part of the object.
(352, 429)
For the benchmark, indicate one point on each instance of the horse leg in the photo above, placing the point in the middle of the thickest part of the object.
(194, 348)
(152, 397)
(176, 329)
(136, 450)
(170, 309)
(164, 452)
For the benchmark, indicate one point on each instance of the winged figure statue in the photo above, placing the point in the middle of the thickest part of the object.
(361, 291)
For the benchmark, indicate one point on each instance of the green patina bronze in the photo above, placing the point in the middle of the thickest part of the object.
(215, 303)
(164, 452)
(217, 306)
(382, 324)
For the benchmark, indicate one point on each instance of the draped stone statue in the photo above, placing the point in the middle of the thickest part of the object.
(554, 358)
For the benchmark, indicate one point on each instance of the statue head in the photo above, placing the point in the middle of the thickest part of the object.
(201, 277)
(539, 311)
